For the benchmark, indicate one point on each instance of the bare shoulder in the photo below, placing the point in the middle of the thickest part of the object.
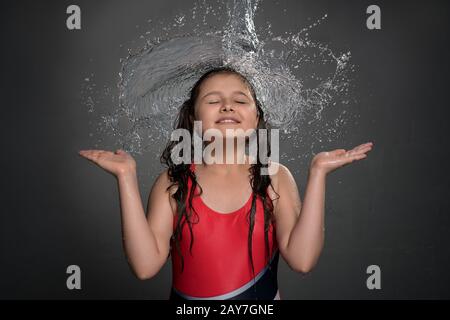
(280, 176)
(163, 181)
(279, 172)
(163, 188)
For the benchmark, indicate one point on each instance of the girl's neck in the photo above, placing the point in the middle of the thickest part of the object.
(230, 161)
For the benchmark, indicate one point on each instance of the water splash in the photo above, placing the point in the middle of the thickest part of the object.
(296, 79)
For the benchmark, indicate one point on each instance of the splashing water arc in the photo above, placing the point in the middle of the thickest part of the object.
(295, 78)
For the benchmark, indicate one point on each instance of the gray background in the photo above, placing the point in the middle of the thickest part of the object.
(390, 209)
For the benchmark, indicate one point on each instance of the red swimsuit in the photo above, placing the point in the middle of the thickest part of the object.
(220, 267)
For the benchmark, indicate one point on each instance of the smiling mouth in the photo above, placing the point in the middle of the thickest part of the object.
(228, 120)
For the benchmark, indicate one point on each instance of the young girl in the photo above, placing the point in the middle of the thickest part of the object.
(224, 225)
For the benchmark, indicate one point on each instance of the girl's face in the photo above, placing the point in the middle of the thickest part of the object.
(225, 102)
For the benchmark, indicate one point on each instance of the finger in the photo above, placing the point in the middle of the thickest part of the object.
(103, 153)
(347, 155)
(356, 158)
(360, 149)
(90, 151)
(368, 144)
(338, 152)
(360, 156)
(351, 158)
(85, 153)
(364, 146)
(364, 149)
(88, 155)
(93, 155)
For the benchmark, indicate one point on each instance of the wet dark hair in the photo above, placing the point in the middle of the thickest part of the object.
(179, 173)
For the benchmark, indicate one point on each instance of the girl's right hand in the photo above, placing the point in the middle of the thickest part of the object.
(118, 163)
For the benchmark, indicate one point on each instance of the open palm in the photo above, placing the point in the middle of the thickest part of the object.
(117, 163)
(331, 160)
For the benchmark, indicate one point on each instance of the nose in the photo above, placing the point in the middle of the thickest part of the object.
(227, 106)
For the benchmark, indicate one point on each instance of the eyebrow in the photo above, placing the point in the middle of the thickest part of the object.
(218, 92)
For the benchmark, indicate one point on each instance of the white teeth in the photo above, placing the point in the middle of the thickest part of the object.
(227, 121)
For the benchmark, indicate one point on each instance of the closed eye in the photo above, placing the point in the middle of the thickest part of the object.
(212, 102)
(241, 102)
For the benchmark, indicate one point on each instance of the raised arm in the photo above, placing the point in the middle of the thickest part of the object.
(146, 240)
(300, 226)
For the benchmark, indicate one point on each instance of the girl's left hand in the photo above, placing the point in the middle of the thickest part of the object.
(327, 162)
